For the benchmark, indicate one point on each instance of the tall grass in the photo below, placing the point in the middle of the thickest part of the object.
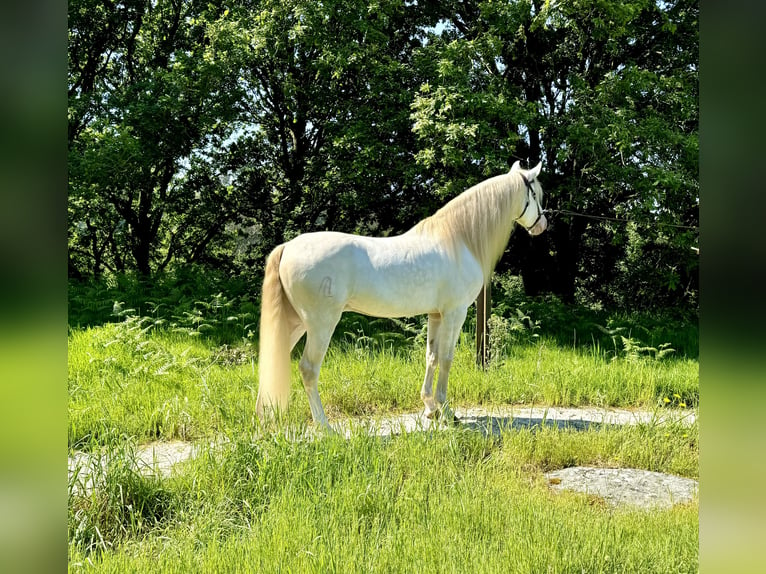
(448, 502)
(147, 379)
(111, 500)
(155, 385)
(164, 385)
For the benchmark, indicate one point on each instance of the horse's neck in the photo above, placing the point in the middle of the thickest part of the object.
(492, 224)
(482, 219)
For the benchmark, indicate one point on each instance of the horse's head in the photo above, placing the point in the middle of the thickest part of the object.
(532, 217)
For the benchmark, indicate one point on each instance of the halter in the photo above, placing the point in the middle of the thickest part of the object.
(531, 192)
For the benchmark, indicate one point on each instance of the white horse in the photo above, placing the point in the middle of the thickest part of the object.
(438, 267)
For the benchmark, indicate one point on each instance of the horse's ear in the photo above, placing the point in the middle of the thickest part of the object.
(516, 166)
(535, 171)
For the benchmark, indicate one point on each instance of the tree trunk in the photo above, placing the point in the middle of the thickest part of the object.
(141, 253)
(73, 272)
(566, 238)
(535, 267)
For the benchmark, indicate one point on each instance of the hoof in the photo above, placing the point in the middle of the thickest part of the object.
(453, 421)
(327, 430)
(447, 415)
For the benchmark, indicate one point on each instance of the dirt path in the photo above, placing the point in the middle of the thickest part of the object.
(615, 486)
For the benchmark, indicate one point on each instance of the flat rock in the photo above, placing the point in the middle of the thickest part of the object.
(152, 459)
(618, 486)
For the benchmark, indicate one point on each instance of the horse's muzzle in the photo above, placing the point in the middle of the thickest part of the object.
(539, 227)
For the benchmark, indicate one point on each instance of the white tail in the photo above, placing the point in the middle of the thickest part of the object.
(274, 353)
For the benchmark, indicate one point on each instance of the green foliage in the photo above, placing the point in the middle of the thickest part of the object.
(591, 326)
(605, 94)
(189, 300)
(371, 335)
(145, 92)
(207, 134)
(506, 332)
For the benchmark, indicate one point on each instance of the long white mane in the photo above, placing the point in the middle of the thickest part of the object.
(482, 217)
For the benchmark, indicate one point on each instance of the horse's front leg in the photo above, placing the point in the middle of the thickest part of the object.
(432, 340)
(450, 333)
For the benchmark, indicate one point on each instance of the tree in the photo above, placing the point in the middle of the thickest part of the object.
(213, 127)
(326, 139)
(144, 93)
(202, 133)
(605, 93)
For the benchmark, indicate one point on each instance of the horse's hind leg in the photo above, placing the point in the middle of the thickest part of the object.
(432, 345)
(317, 342)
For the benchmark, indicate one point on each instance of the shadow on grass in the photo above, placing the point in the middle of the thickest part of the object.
(493, 423)
(496, 425)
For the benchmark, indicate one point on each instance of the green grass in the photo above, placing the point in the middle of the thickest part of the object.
(163, 385)
(360, 382)
(450, 501)
(149, 386)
